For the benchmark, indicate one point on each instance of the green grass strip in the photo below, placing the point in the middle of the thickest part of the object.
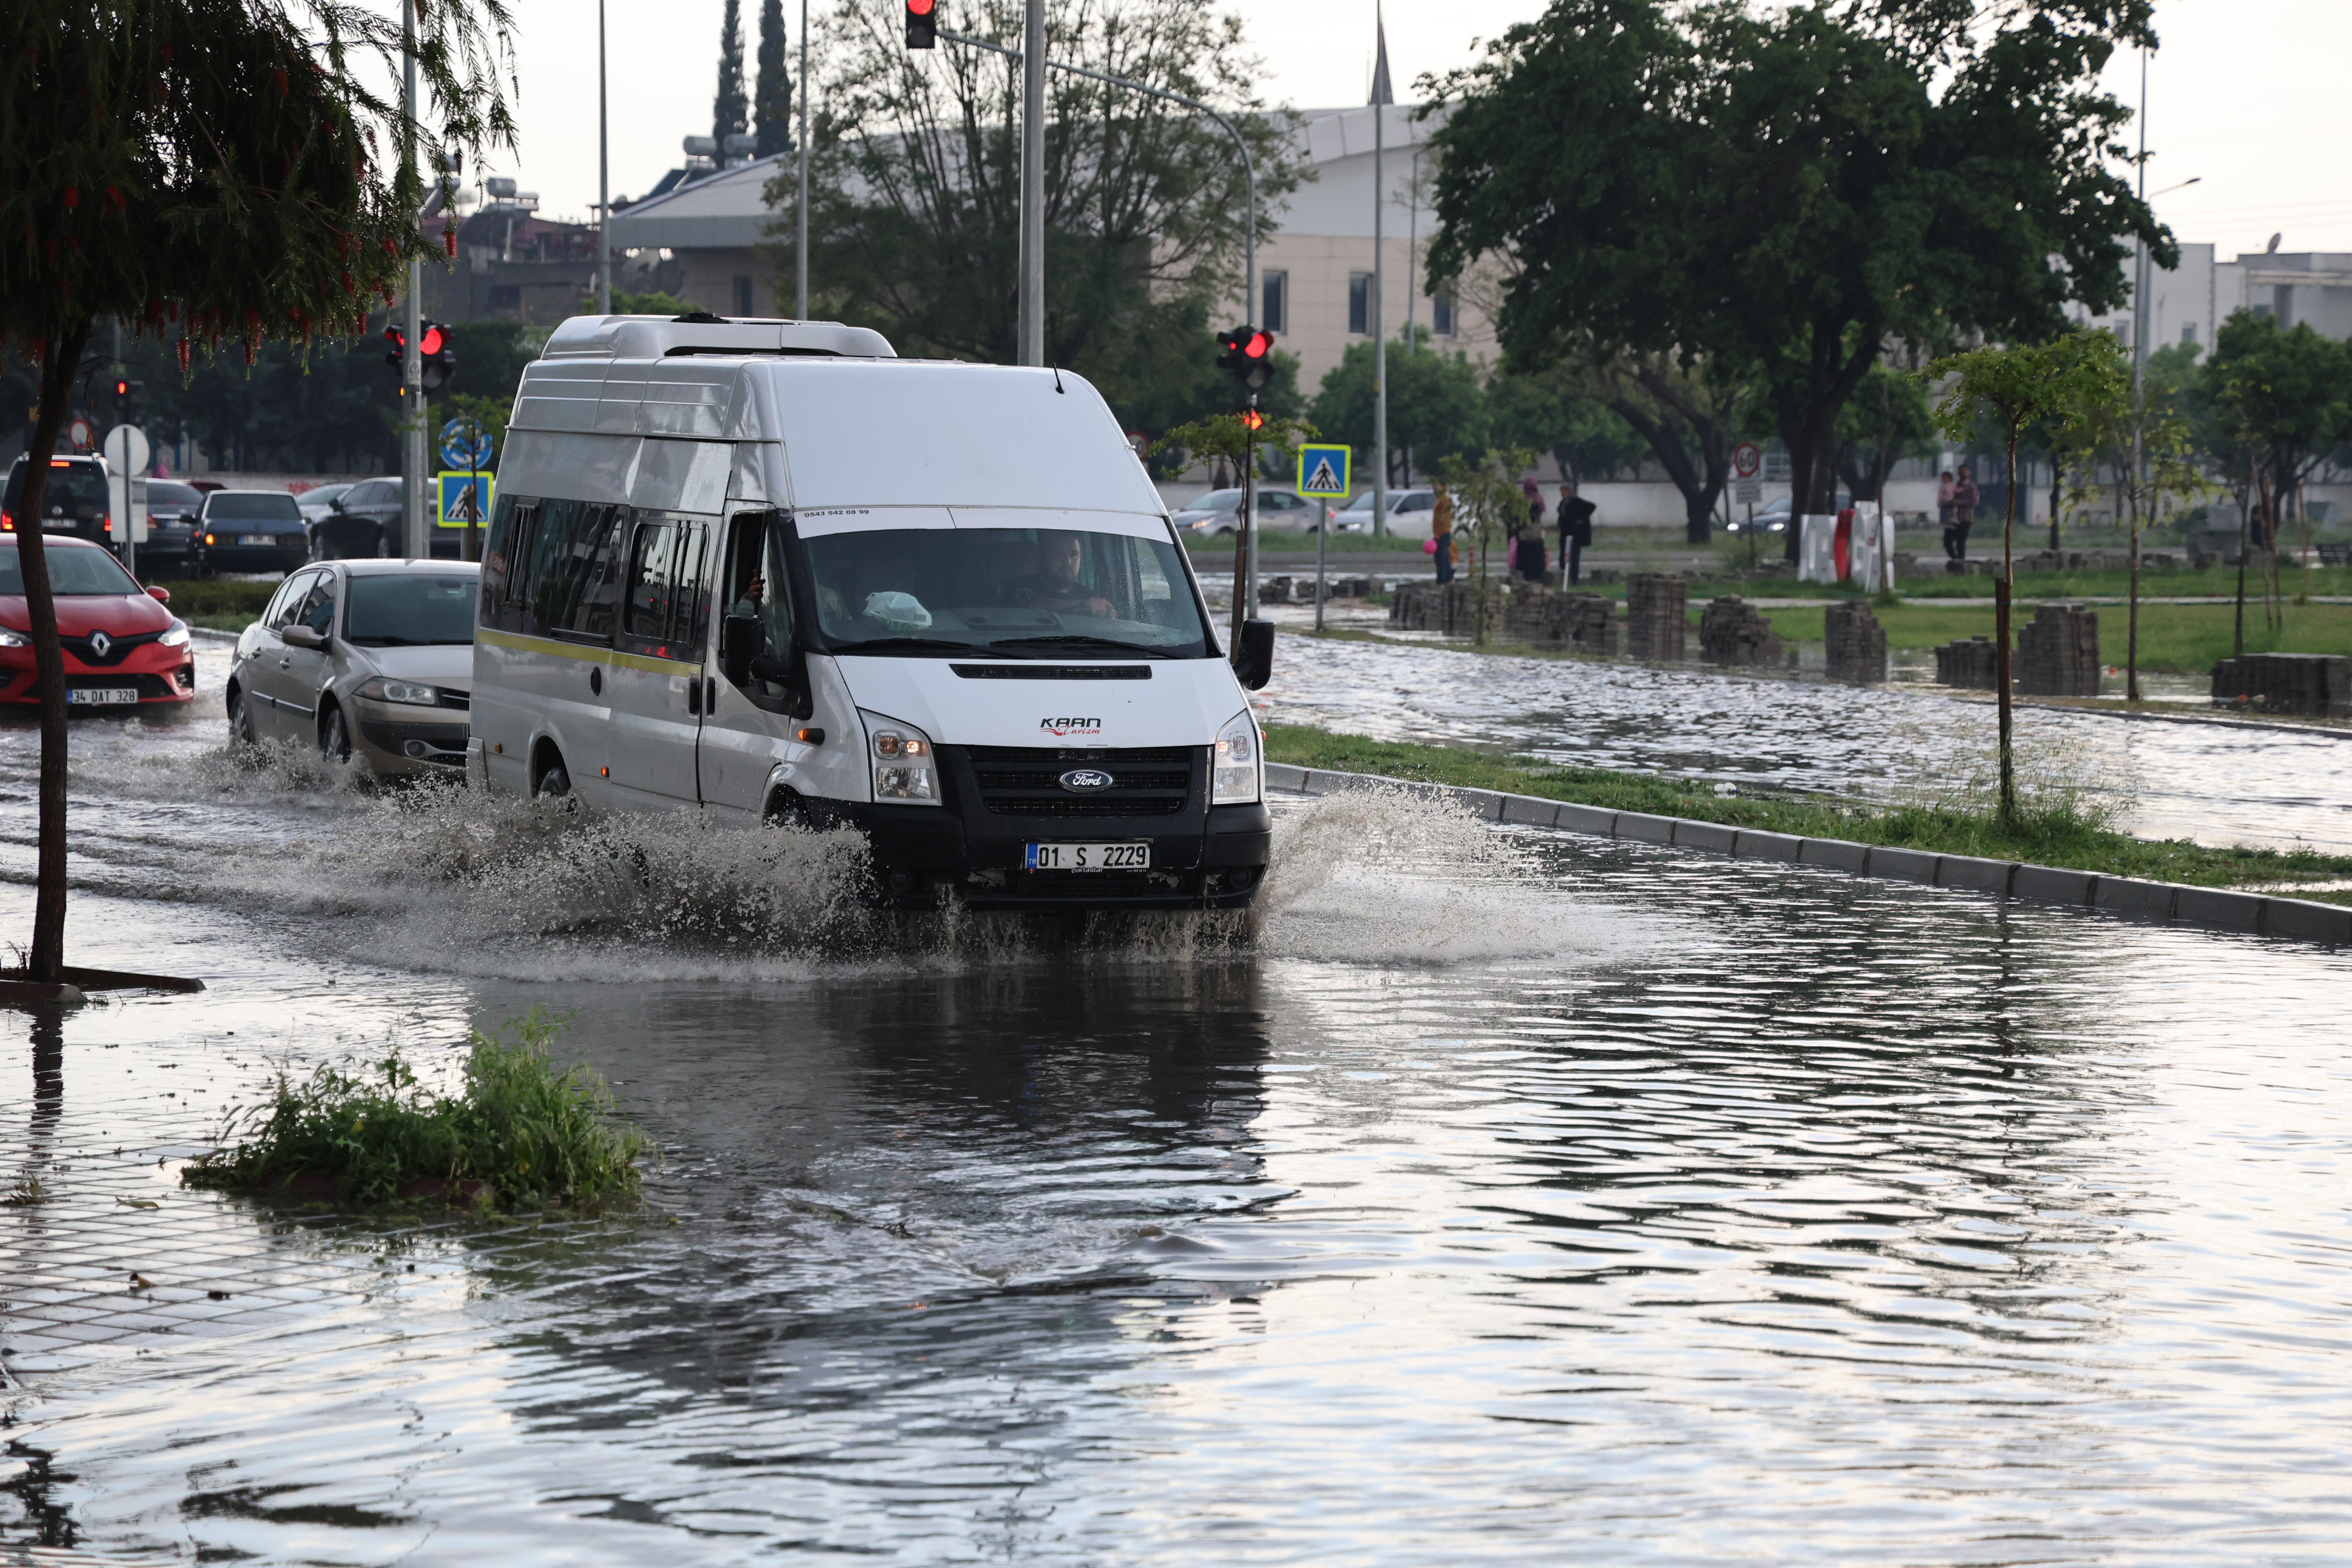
(2061, 831)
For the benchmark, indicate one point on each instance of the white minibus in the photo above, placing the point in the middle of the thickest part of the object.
(771, 571)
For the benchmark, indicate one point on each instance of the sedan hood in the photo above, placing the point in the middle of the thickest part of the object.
(79, 614)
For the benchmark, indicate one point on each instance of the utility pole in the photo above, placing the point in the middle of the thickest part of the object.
(603, 176)
(800, 198)
(1382, 96)
(2139, 400)
(414, 473)
(1033, 186)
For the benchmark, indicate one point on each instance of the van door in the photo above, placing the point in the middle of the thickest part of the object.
(746, 733)
(655, 682)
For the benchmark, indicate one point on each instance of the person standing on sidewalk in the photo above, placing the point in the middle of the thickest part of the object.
(1964, 512)
(1945, 488)
(1575, 533)
(1441, 529)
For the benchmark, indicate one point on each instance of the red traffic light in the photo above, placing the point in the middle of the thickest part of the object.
(922, 24)
(1258, 344)
(921, 7)
(1253, 420)
(429, 343)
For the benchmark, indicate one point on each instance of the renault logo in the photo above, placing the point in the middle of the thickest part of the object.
(1079, 781)
(100, 642)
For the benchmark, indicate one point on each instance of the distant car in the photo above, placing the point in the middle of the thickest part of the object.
(313, 501)
(252, 530)
(1773, 516)
(1413, 505)
(361, 524)
(122, 648)
(1219, 511)
(369, 661)
(172, 532)
(74, 500)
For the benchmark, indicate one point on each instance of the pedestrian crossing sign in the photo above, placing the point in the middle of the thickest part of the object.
(1322, 471)
(464, 501)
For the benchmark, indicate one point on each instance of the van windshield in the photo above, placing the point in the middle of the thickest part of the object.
(1010, 592)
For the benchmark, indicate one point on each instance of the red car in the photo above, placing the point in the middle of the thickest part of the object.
(121, 646)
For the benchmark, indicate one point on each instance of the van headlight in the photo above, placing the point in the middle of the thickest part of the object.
(1233, 770)
(905, 769)
(174, 636)
(408, 691)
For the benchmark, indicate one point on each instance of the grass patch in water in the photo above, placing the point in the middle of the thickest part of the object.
(2063, 829)
(520, 1126)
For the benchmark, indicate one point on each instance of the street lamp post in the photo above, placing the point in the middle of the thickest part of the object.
(603, 178)
(800, 199)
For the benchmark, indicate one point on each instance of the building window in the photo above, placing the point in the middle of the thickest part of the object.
(1275, 293)
(2189, 332)
(742, 296)
(1359, 303)
(1441, 313)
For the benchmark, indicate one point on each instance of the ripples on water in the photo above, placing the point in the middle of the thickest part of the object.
(1509, 1198)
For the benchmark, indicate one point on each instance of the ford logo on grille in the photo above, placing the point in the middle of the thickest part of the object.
(1079, 781)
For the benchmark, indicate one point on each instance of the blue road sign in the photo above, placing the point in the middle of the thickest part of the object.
(464, 500)
(1322, 471)
(466, 444)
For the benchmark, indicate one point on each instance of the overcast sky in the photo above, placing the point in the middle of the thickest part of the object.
(2246, 95)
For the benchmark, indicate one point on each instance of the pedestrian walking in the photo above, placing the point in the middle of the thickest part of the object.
(1575, 531)
(1534, 502)
(1441, 530)
(1945, 488)
(1964, 512)
(1529, 561)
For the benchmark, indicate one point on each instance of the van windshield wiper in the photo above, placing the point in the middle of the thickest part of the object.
(874, 644)
(1083, 639)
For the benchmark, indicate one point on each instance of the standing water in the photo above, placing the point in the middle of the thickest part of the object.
(1502, 1197)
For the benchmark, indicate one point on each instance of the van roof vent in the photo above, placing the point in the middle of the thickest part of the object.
(700, 332)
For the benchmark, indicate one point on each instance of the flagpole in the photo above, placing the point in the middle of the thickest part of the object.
(1380, 96)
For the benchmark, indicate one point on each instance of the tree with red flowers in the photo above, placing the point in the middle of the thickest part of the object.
(214, 172)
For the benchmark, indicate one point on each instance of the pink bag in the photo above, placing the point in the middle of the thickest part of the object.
(1429, 547)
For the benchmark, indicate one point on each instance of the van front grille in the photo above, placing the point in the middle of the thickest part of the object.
(1026, 781)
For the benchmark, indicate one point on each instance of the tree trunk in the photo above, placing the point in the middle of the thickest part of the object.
(2131, 498)
(2057, 477)
(60, 360)
(2000, 661)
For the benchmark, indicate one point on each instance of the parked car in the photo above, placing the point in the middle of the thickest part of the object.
(74, 501)
(172, 530)
(122, 648)
(361, 524)
(367, 660)
(1407, 509)
(1219, 511)
(314, 500)
(1773, 516)
(252, 530)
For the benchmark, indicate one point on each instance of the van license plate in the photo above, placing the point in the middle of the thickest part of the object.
(1089, 857)
(103, 696)
(264, 539)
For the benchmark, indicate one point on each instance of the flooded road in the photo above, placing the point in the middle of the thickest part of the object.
(2215, 784)
(1507, 1198)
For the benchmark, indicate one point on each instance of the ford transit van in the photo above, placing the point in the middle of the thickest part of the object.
(770, 571)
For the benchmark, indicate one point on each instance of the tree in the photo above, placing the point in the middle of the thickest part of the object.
(1550, 411)
(213, 169)
(1437, 406)
(1685, 413)
(915, 185)
(772, 98)
(731, 112)
(2285, 399)
(1901, 171)
(2072, 381)
(1488, 506)
(1886, 420)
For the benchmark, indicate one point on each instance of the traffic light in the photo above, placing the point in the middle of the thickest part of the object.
(922, 24)
(1247, 356)
(396, 346)
(1252, 420)
(126, 389)
(440, 357)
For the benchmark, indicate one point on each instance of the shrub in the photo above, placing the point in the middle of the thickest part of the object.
(518, 1123)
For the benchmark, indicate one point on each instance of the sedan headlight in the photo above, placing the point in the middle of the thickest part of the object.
(905, 769)
(10, 638)
(1234, 772)
(387, 691)
(175, 635)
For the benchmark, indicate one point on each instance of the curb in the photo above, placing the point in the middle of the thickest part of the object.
(2175, 903)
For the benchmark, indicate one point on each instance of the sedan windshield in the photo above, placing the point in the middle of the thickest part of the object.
(1008, 592)
(236, 506)
(1215, 501)
(408, 610)
(83, 574)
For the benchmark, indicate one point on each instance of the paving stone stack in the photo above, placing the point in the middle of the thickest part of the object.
(1655, 616)
(2310, 683)
(1731, 631)
(1857, 643)
(1968, 664)
(2058, 652)
(1443, 607)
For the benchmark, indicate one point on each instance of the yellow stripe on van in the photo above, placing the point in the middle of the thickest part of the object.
(585, 653)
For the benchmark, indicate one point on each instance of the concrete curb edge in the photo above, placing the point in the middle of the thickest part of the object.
(2214, 908)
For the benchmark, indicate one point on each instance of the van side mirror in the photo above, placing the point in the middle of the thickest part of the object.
(739, 638)
(1253, 660)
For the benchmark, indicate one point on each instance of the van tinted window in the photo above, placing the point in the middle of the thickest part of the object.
(573, 583)
(665, 602)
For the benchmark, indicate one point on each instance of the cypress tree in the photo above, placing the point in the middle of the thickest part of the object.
(729, 113)
(773, 102)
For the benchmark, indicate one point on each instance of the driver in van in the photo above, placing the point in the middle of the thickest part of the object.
(1054, 585)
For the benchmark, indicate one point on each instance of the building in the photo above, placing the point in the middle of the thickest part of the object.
(2187, 304)
(714, 229)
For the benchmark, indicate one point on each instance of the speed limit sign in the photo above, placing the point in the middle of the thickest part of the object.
(1746, 461)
